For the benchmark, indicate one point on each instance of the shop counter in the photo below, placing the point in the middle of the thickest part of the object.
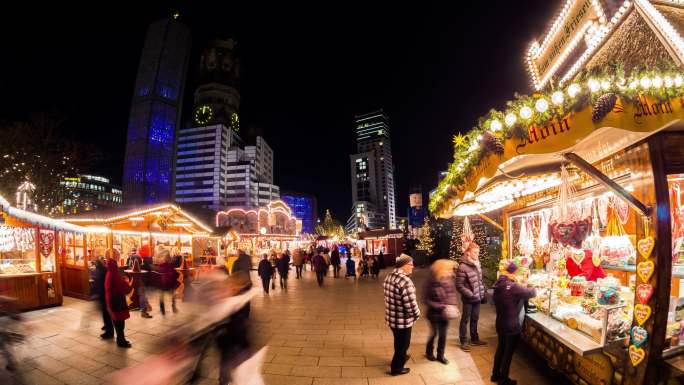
(574, 340)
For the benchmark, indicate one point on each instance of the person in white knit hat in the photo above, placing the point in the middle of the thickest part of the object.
(401, 310)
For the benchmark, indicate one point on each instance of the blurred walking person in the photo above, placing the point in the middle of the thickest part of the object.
(283, 265)
(335, 261)
(401, 310)
(442, 306)
(509, 297)
(265, 271)
(168, 282)
(116, 289)
(374, 265)
(298, 261)
(351, 267)
(99, 293)
(240, 276)
(319, 266)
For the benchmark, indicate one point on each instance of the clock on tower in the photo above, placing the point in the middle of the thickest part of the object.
(203, 114)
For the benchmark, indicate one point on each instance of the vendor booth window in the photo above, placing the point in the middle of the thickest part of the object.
(675, 316)
(17, 250)
(47, 250)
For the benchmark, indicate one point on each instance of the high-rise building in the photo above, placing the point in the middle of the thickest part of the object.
(85, 193)
(372, 172)
(304, 207)
(215, 169)
(155, 114)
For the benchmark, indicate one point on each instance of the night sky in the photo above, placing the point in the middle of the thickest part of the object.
(306, 71)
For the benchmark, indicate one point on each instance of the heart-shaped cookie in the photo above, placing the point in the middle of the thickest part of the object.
(639, 336)
(645, 270)
(636, 355)
(645, 247)
(577, 256)
(596, 259)
(564, 232)
(642, 313)
(644, 291)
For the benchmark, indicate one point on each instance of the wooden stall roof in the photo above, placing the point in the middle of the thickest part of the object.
(37, 219)
(150, 218)
(381, 233)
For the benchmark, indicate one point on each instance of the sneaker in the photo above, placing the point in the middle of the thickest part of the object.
(107, 336)
(443, 360)
(430, 356)
(123, 344)
(146, 315)
(465, 347)
(478, 343)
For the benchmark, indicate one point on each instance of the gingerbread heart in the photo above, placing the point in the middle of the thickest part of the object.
(596, 260)
(639, 336)
(644, 291)
(582, 230)
(636, 355)
(642, 313)
(564, 233)
(645, 270)
(577, 256)
(645, 247)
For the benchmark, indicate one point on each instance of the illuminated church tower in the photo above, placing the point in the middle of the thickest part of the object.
(155, 114)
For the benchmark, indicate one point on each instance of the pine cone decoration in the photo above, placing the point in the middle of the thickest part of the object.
(604, 104)
(491, 143)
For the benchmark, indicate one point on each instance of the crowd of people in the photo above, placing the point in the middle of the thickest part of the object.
(450, 283)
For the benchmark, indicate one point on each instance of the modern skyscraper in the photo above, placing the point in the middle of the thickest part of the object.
(214, 168)
(155, 114)
(304, 207)
(372, 172)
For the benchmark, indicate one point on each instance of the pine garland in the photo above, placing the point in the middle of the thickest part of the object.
(664, 82)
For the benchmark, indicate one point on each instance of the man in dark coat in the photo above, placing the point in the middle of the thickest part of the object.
(99, 292)
(469, 285)
(509, 297)
(283, 265)
(319, 265)
(265, 271)
(335, 261)
(240, 271)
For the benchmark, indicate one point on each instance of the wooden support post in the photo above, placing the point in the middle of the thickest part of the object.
(491, 221)
(609, 183)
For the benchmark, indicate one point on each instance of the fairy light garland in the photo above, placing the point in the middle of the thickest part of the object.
(525, 111)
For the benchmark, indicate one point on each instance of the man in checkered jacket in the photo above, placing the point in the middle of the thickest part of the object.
(401, 310)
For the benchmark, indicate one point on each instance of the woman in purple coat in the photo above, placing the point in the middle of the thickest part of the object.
(441, 300)
(509, 297)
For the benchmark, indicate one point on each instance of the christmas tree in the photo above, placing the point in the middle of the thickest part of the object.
(455, 251)
(480, 238)
(427, 241)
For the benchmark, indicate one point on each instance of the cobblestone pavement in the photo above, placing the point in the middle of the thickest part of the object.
(329, 336)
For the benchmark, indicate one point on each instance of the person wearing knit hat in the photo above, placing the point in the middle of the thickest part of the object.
(401, 310)
(402, 260)
(509, 297)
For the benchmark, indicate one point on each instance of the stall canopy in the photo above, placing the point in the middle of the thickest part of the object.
(493, 165)
(36, 219)
(166, 218)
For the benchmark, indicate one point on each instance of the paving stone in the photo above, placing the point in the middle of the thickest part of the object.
(38, 377)
(274, 379)
(317, 371)
(341, 361)
(277, 368)
(76, 377)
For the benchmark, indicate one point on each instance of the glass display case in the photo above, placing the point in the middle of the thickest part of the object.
(601, 310)
(17, 250)
(675, 318)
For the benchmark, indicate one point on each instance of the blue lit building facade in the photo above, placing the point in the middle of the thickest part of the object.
(304, 207)
(149, 162)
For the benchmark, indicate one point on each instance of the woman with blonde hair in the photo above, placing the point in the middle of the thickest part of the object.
(442, 303)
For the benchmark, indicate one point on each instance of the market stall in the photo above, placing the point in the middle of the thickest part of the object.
(390, 242)
(29, 269)
(586, 175)
(152, 230)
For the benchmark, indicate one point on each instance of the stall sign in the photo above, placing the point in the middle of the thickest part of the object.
(559, 134)
(569, 31)
(595, 369)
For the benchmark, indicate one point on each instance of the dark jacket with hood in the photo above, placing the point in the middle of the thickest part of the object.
(509, 297)
(469, 282)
